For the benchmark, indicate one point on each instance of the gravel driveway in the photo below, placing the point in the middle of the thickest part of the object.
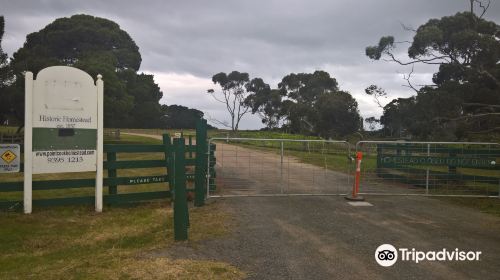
(324, 237)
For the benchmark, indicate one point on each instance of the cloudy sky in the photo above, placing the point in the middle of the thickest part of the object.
(183, 43)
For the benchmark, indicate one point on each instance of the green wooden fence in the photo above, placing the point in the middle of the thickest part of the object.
(178, 157)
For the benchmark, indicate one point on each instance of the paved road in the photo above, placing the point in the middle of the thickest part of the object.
(326, 238)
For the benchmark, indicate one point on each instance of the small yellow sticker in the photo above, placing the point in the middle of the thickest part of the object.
(8, 156)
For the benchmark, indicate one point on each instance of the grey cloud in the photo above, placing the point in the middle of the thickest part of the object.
(266, 38)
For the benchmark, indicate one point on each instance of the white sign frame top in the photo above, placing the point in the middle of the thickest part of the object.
(64, 109)
(65, 97)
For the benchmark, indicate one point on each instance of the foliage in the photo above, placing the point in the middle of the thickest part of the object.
(97, 46)
(385, 46)
(5, 77)
(266, 102)
(372, 122)
(397, 116)
(315, 105)
(308, 103)
(235, 90)
(147, 111)
(377, 93)
(336, 115)
(464, 99)
(177, 116)
(3, 57)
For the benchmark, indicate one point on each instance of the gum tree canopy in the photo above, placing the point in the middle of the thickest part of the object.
(306, 103)
(3, 56)
(97, 46)
(235, 88)
(5, 77)
(314, 104)
(464, 99)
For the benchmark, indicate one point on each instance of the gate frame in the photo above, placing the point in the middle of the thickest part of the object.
(281, 140)
(426, 194)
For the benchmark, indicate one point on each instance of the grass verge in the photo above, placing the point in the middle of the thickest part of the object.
(484, 205)
(76, 243)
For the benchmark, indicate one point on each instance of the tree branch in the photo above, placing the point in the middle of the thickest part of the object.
(407, 27)
(426, 61)
(212, 93)
(216, 121)
(481, 105)
(485, 8)
(485, 131)
(407, 78)
(466, 117)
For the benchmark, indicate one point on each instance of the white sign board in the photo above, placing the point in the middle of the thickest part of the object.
(64, 121)
(63, 125)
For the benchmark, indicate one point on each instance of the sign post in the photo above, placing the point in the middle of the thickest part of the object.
(28, 142)
(63, 126)
(100, 142)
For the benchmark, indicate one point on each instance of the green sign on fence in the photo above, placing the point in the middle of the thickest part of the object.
(449, 161)
(146, 180)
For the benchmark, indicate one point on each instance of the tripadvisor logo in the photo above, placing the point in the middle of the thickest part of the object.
(387, 255)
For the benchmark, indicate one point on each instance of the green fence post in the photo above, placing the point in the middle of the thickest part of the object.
(190, 146)
(181, 214)
(111, 158)
(168, 162)
(201, 163)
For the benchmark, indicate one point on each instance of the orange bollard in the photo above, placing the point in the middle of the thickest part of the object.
(355, 187)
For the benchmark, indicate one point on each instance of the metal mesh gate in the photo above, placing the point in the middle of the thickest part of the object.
(430, 168)
(269, 167)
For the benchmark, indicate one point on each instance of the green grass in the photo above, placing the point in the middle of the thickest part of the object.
(8, 129)
(465, 171)
(484, 205)
(133, 139)
(336, 162)
(257, 134)
(222, 133)
(76, 243)
(186, 132)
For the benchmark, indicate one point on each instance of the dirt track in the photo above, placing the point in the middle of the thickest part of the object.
(325, 238)
(246, 171)
(320, 237)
